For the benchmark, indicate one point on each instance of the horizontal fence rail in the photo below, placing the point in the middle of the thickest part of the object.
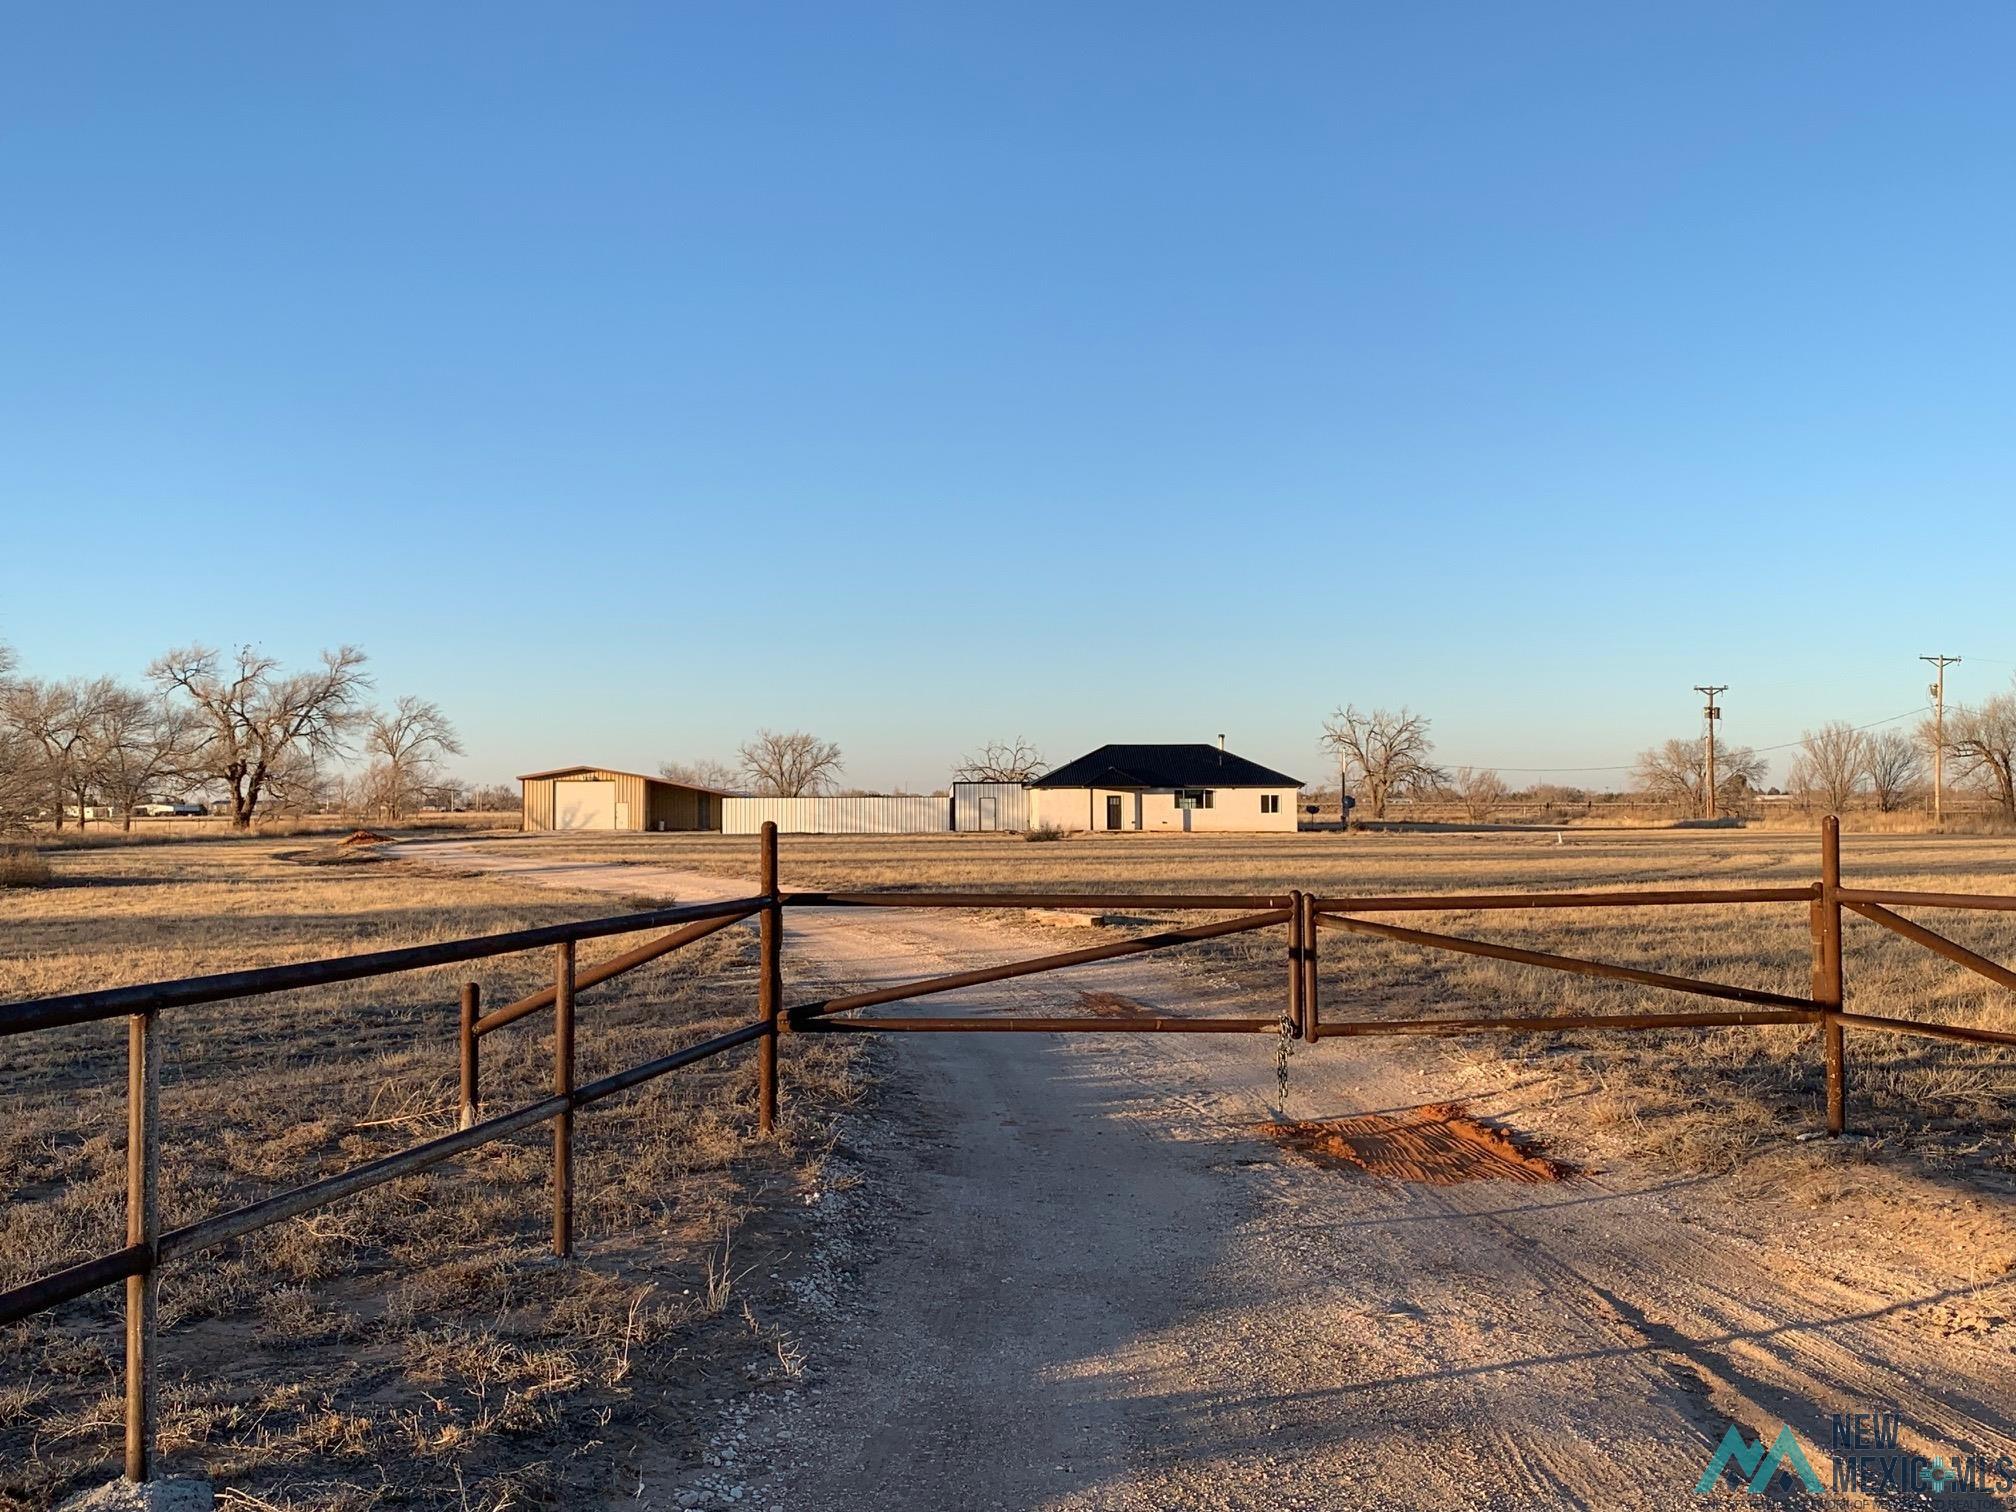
(1140, 946)
(1306, 917)
(1100, 902)
(118, 1002)
(1992, 902)
(1572, 964)
(1484, 902)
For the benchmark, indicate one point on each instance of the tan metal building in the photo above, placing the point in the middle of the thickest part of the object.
(599, 798)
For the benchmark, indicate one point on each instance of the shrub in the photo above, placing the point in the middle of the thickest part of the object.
(22, 866)
(1044, 832)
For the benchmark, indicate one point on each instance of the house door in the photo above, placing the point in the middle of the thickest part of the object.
(1112, 811)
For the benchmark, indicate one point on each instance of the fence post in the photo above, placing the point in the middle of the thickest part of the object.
(1295, 960)
(770, 984)
(1828, 983)
(472, 1002)
(1311, 1012)
(143, 1187)
(563, 1086)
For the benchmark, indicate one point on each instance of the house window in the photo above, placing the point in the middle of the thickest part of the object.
(1194, 798)
(1270, 803)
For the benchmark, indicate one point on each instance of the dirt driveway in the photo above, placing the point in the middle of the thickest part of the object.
(1071, 1276)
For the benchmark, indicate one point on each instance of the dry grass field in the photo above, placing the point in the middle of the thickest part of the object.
(415, 1346)
(1703, 1100)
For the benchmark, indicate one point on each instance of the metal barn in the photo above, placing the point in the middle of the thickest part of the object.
(899, 815)
(600, 798)
(981, 806)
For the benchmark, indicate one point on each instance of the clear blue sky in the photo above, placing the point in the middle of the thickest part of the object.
(628, 377)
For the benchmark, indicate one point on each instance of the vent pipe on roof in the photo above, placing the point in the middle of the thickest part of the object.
(1221, 748)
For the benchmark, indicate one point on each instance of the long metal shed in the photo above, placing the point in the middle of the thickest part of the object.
(602, 798)
(898, 814)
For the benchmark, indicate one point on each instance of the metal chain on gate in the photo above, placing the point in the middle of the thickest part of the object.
(1284, 1048)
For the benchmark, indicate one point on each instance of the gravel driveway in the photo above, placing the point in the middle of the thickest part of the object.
(1072, 1277)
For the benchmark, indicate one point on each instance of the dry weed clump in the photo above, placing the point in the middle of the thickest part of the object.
(23, 866)
(416, 1345)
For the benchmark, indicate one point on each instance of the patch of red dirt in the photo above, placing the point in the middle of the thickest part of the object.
(1116, 1005)
(1440, 1144)
(365, 837)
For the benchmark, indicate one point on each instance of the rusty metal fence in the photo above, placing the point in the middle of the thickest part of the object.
(1304, 916)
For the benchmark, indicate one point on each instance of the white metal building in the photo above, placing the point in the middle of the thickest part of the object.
(981, 806)
(898, 815)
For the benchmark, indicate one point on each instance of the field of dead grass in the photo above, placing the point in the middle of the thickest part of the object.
(1699, 1100)
(415, 1346)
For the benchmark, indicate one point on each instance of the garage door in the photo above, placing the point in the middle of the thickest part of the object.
(584, 805)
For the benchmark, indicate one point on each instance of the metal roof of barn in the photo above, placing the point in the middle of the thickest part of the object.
(568, 771)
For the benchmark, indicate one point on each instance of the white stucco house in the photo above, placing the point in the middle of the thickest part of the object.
(1163, 787)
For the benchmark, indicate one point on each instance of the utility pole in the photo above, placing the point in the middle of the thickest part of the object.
(1713, 715)
(1938, 692)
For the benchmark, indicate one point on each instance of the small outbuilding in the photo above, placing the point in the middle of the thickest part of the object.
(978, 807)
(1164, 787)
(600, 798)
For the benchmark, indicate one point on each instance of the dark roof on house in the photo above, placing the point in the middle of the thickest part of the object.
(1162, 766)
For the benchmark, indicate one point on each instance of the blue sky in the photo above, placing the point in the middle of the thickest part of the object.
(630, 377)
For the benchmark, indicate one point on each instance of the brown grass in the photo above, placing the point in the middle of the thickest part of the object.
(22, 866)
(422, 1325)
(211, 827)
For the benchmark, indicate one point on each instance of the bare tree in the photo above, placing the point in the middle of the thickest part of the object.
(23, 784)
(135, 743)
(1002, 761)
(1981, 739)
(1382, 754)
(257, 728)
(406, 743)
(1481, 791)
(1832, 765)
(1896, 768)
(704, 773)
(1676, 774)
(793, 765)
(53, 722)
(495, 798)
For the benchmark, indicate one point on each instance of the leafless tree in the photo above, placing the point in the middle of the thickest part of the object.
(1832, 766)
(257, 728)
(1481, 791)
(1676, 774)
(23, 785)
(135, 744)
(405, 744)
(1896, 768)
(53, 721)
(1981, 739)
(704, 773)
(789, 765)
(1382, 754)
(495, 798)
(1002, 761)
